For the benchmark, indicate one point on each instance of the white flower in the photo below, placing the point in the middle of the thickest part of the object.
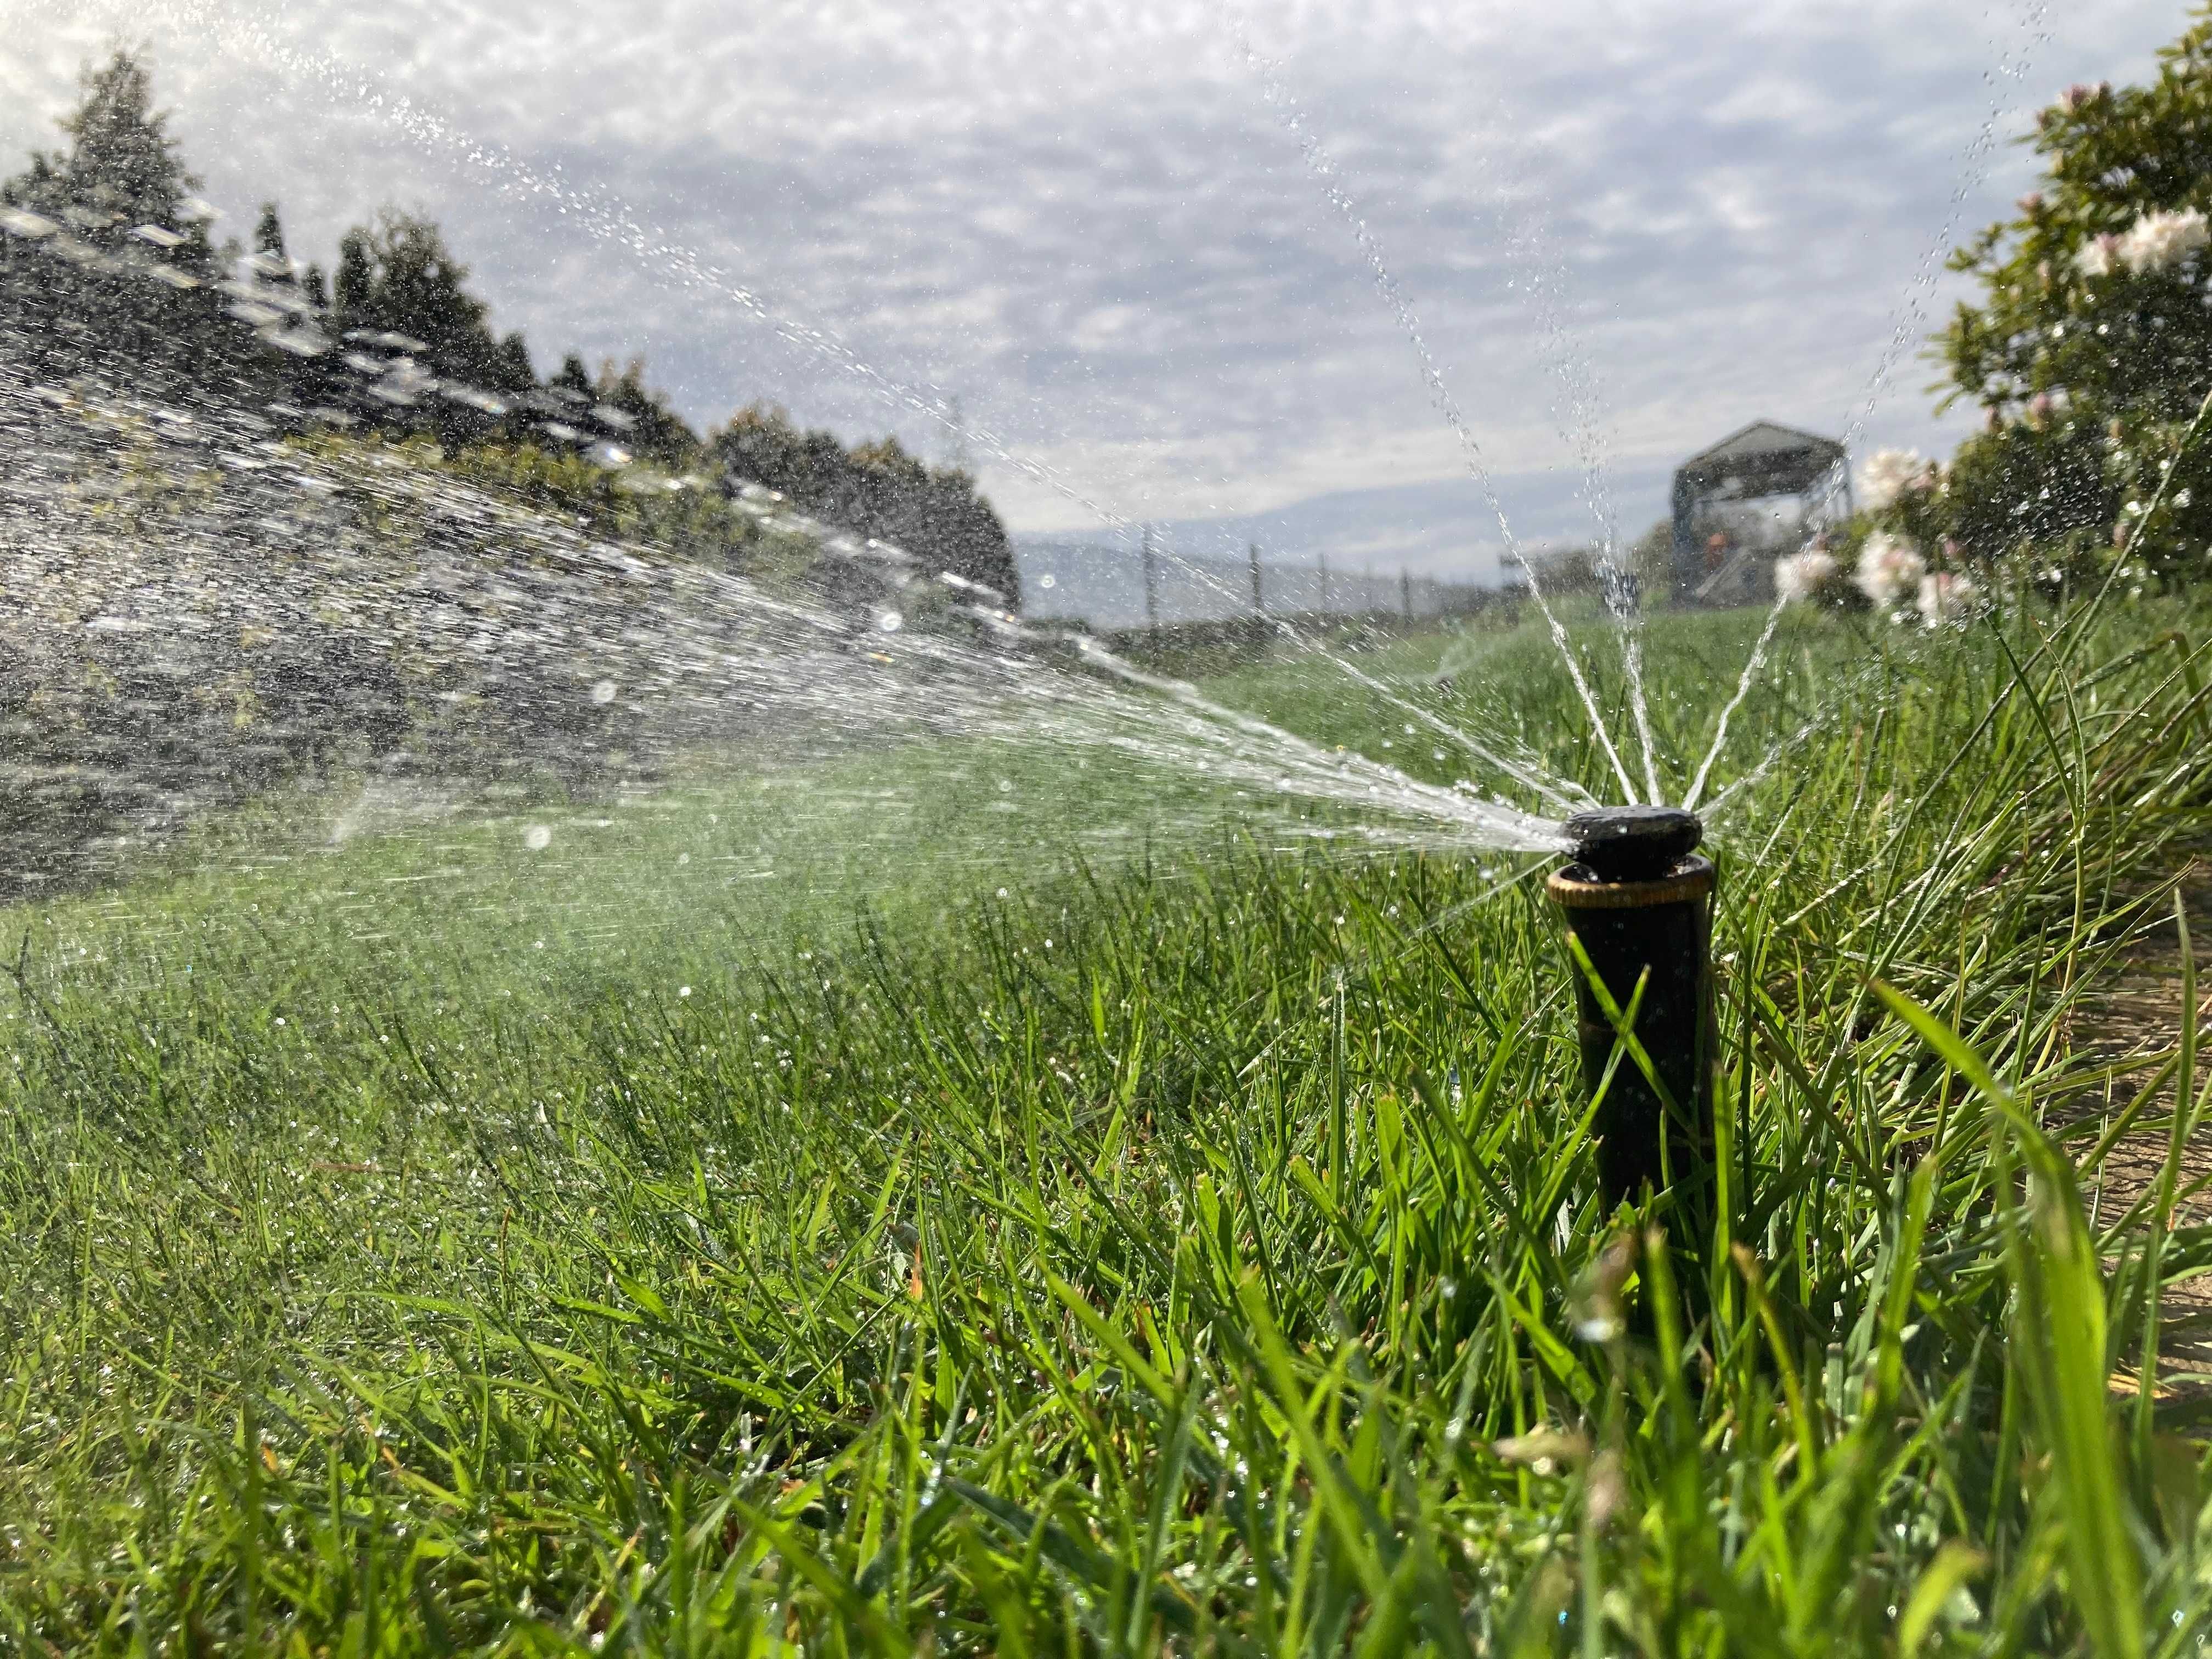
(1799, 577)
(1889, 473)
(2098, 256)
(1947, 597)
(2159, 241)
(1889, 571)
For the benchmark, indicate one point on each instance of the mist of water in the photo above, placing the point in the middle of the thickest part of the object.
(203, 611)
(1325, 174)
(2012, 66)
(538, 648)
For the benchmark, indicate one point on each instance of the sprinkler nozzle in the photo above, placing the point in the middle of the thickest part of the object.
(1637, 898)
(1633, 843)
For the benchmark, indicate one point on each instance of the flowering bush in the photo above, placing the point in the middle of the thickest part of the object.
(1807, 577)
(2099, 255)
(1891, 575)
(2159, 241)
(1889, 571)
(2090, 347)
(1948, 596)
(1888, 474)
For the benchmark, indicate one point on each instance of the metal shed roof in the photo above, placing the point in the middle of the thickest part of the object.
(1766, 457)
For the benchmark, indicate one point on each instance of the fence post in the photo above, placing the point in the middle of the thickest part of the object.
(1258, 600)
(1152, 585)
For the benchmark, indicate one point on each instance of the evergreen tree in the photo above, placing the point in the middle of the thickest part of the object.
(398, 275)
(122, 169)
(659, 431)
(573, 376)
(511, 370)
(356, 281)
(121, 156)
(314, 287)
(875, 489)
(274, 264)
(121, 160)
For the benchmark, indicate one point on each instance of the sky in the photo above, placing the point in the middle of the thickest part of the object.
(1247, 271)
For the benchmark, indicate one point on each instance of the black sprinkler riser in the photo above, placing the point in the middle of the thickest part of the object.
(1640, 901)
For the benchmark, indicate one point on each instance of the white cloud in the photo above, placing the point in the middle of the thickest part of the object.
(1625, 228)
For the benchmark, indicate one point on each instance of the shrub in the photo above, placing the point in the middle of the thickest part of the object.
(2088, 343)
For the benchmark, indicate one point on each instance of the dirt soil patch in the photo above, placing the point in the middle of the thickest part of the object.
(2135, 1015)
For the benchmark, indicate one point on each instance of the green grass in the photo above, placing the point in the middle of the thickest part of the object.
(1194, 1248)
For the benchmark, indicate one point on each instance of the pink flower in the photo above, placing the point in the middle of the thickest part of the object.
(2159, 241)
(1801, 577)
(1891, 473)
(1946, 596)
(2032, 203)
(2098, 257)
(1890, 568)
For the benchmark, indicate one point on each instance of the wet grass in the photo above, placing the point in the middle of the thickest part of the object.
(1187, 1251)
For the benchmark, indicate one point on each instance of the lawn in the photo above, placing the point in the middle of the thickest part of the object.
(809, 1209)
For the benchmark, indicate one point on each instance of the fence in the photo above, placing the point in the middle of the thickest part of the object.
(1114, 587)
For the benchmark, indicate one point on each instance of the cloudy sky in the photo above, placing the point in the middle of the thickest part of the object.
(1156, 255)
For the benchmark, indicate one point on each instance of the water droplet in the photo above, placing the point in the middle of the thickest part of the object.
(1047, 582)
(890, 622)
(1006, 785)
(538, 837)
(684, 991)
(604, 691)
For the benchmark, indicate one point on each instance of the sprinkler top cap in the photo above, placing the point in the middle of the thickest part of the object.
(1633, 843)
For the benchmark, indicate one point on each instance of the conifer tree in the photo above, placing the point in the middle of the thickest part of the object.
(269, 245)
(573, 376)
(511, 370)
(121, 159)
(875, 489)
(355, 281)
(120, 154)
(397, 275)
(661, 432)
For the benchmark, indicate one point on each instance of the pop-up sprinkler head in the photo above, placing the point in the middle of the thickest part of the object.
(1633, 843)
(1636, 899)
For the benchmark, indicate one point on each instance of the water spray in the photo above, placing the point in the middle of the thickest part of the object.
(1636, 899)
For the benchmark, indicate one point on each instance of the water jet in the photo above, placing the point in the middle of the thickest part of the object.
(1636, 899)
